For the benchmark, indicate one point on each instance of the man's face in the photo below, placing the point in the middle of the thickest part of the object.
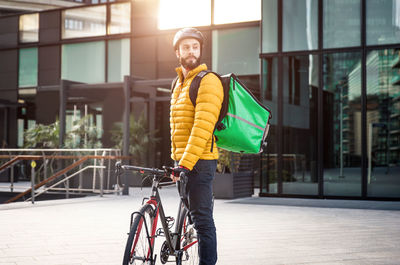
(189, 53)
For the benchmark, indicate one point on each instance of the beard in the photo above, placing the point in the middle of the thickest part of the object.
(189, 63)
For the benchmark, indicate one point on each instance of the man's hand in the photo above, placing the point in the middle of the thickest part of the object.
(177, 171)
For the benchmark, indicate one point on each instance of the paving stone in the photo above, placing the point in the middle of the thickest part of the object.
(257, 231)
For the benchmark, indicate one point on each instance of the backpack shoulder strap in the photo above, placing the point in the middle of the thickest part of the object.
(194, 86)
(174, 83)
(194, 90)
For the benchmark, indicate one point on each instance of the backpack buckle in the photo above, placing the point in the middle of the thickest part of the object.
(221, 126)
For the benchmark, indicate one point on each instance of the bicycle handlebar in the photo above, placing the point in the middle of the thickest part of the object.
(144, 169)
(156, 171)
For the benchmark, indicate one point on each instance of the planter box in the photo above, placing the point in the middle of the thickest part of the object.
(233, 185)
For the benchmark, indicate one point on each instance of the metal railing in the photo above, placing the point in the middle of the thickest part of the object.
(94, 158)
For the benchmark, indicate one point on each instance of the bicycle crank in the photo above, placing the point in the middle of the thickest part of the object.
(164, 253)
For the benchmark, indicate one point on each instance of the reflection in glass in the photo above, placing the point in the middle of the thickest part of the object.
(84, 22)
(228, 55)
(269, 169)
(28, 67)
(29, 28)
(383, 22)
(183, 13)
(249, 11)
(300, 93)
(342, 124)
(269, 26)
(300, 25)
(118, 59)
(83, 62)
(383, 123)
(342, 23)
(120, 18)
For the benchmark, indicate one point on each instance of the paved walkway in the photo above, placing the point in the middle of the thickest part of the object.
(255, 231)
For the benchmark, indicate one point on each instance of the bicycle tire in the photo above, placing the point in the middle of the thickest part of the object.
(137, 250)
(188, 240)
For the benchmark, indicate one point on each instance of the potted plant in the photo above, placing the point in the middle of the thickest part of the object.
(139, 142)
(234, 177)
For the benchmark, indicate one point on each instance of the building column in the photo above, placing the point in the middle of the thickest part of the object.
(125, 129)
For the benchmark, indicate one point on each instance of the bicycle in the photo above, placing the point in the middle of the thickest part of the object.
(181, 244)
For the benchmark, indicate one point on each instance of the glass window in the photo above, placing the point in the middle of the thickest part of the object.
(342, 124)
(269, 165)
(226, 11)
(83, 62)
(228, 55)
(28, 67)
(29, 28)
(300, 93)
(84, 22)
(118, 59)
(383, 123)
(183, 13)
(383, 21)
(342, 23)
(300, 25)
(120, 18)
(269, 26)
(20, 137)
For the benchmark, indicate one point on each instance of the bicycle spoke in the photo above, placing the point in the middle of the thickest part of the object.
(138, 243)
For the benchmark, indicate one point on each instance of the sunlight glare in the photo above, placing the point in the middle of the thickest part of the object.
(233, 11)
(183, 13)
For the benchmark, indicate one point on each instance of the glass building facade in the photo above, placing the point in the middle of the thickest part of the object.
(329, 70)
(335, 89)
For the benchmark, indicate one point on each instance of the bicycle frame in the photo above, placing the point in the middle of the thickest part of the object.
(172, 239)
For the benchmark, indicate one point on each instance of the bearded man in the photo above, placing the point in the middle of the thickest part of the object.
(193, 145)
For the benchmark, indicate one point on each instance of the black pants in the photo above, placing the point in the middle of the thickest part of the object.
(201, 204)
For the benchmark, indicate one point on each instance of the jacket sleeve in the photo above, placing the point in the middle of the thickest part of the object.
(208, 106)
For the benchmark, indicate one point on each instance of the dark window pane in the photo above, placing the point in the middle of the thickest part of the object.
(300, 90)
(228, 55)
(269, 170)
(300, 25)
(342, 124)
(270, 26)
(383, 21)
(383, 123)
(342, 23)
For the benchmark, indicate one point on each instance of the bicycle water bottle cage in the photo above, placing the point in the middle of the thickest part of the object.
(160, 232)
(170, 221)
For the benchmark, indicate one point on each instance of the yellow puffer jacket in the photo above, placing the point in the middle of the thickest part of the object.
(191, 128)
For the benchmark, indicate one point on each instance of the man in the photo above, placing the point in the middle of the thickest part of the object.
(192, 146)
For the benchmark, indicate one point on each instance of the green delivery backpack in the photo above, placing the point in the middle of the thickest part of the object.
(243, 122)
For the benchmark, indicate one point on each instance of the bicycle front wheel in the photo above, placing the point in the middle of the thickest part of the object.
(140, 245)
(188, 241)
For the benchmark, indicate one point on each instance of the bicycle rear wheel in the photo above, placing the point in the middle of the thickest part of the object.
(140, 246)
(188, 241)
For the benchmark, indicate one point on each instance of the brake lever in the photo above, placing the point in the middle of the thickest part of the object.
(168, 170)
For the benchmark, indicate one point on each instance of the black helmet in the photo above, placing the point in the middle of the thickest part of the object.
(187, 33)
